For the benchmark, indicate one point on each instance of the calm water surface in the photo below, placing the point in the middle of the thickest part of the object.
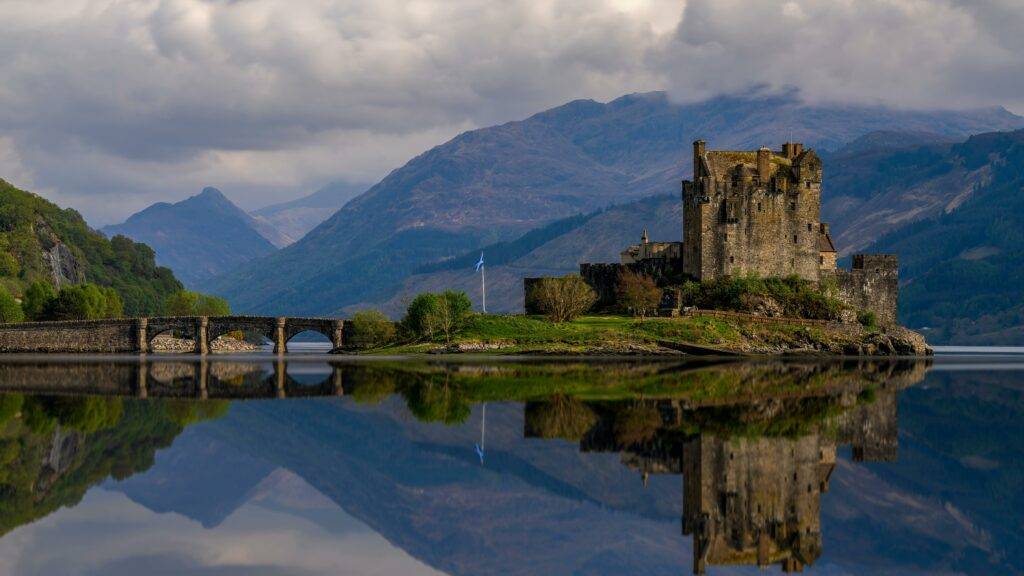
(371, 467)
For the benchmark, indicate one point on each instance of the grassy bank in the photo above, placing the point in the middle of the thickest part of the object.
(621, 334)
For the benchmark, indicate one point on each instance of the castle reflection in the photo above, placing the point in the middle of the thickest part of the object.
(753, 469)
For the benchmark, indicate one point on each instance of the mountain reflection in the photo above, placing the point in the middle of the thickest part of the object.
(755, 443)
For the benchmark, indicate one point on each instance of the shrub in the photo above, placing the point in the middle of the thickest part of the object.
(637, 294)
(431, 315)
(37, 297)
(562, 299)
(868, 320)
(370, 329)
(795, 296)
(83, 302)
(10, 310)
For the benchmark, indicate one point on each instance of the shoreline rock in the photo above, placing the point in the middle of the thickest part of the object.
(223, 345)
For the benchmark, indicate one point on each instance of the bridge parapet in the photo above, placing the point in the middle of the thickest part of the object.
(134, 335)
(122, 335)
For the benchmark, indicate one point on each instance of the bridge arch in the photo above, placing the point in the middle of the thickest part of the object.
(264, 326)
(193, 326)
(331, 328)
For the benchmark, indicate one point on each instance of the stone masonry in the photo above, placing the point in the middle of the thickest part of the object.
(133, 335)
(754, 213)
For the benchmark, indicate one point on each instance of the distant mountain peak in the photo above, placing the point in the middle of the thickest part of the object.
(200, 236)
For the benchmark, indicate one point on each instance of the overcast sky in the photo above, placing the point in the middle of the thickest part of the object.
(109, 105)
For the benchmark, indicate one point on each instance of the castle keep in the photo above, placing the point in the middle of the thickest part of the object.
(754, 213)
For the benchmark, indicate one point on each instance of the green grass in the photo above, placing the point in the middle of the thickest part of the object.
(535, 334)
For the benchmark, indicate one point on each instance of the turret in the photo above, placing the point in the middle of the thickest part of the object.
(764, 165)
(698, 153)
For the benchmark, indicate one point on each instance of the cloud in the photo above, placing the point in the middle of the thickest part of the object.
(109, 105)
(907, 53)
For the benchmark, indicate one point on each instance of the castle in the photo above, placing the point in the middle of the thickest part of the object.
(754, 213)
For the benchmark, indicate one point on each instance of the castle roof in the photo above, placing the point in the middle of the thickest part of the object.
(723, 164)
(825, 242)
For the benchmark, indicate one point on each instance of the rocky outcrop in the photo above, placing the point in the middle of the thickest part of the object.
(65, 268)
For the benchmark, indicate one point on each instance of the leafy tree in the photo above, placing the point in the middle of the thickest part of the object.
(637, 294)
(563, 299)
(370, 329)
(432, 315)
(10, 310)
(9, 264)
(84, 302)
(37, 297)
(188, 303)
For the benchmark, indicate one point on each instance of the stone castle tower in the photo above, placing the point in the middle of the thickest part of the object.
(755, 212)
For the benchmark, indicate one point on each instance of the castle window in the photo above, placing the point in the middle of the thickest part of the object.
(731, 260)
(795, 239)
(792, 205)
(807, 184)
(821, 259)
(758, 206)
(808, 226)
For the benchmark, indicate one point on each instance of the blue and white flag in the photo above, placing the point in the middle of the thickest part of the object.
(480, 263)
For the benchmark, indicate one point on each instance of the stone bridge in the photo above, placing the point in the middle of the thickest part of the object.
(133, 335)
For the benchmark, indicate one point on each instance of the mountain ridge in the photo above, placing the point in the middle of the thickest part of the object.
(496, 183)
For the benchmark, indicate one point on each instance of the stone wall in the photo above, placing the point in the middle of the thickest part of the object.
(872, 284)
(604, 277)
(97, 336)
(133, 335)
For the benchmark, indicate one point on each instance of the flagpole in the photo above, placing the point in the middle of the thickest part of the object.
(483, 287)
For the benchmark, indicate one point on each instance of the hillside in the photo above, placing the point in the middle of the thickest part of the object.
(496, 183)
(41, 241)
(199, 237)
(297, 217)
(963, 267)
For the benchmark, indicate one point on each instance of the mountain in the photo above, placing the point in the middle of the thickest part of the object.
(496, 183)
(39, 241)
(962, 264)
(874, 186)
(297, 217)
(199, 237)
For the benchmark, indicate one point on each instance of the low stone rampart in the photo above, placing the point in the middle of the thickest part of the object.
(871, 284)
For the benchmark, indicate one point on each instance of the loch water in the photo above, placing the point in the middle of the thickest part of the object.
(312, 464)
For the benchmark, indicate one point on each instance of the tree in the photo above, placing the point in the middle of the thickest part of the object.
(83, 302)
(37, 297)
(563, 299)
(10, 310)
(188, 303)
(637, 294)
(451, 313)
(430, 315)
(370, 329)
